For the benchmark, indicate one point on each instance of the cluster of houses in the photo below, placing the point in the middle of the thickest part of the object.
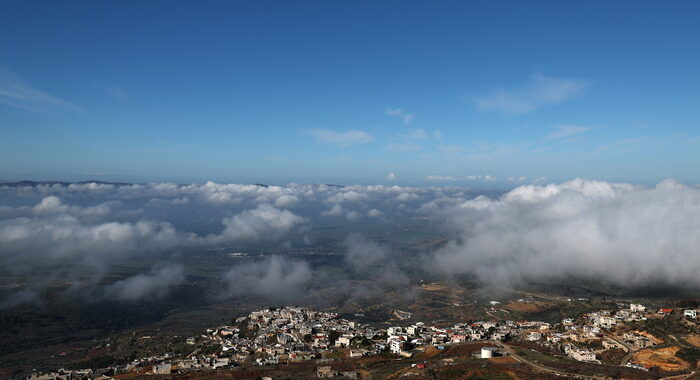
(600, 327)
(289, 334)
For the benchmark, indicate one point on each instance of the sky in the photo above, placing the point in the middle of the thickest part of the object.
(483, 94)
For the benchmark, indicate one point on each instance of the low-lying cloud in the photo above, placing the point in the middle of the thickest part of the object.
(274, 278)
(621, 234)
(630, 236)
(155, 284)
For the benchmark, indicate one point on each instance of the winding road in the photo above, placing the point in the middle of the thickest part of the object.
(540, 367)
(629, 349)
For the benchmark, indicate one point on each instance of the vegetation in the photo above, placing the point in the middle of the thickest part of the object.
(669, 325)
(690, 355)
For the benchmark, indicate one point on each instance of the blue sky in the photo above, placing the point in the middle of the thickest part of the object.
(478, 93)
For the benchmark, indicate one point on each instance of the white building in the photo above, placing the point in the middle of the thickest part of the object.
(487, 352)
(343, 341)
(413, 330)
(583, 355)
(533, 336)
(637, 308)
(396, 345)
(690, 313)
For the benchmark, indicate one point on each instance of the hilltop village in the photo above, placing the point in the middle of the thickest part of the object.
(293, 334)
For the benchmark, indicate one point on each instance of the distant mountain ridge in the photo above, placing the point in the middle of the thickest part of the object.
(28, 183)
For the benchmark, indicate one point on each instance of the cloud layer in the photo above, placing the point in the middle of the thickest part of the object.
(620, 234)
(626, 235)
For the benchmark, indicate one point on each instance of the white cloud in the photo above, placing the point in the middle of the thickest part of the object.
(352, 215)
(520, 179)
(484, 177)
(14, 92)
(275, 278)
(286, 200)
(374, 213)
(540, 92)
(441, 178)
(155, 284)
(391, 176)
(344, 139)
(620, 233)
(404, 147)
(562, 131)
(406, 117)
(335, 210)
(418, 134)
(616, 233)
(113, 91)
(263, 221)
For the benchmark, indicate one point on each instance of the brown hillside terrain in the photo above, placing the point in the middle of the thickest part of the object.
(527, 307)
(694, 340)
(664, 358)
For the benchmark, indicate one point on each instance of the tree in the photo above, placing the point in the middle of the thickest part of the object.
(333, 336)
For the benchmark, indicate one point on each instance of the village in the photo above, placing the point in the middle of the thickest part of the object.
(294, 334)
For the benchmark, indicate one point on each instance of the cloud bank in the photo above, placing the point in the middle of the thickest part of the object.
(621, 234)
(615, 233)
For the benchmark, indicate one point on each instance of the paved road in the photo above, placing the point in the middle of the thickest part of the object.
(680, 342)
(540, 367)
(627, 357)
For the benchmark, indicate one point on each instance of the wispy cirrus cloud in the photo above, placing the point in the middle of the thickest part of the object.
(346, 138)
(540, 92)
(445, 178)
(403, 147)
(406, 117)
(562, 131)
(114, 91)
(441, 178)
(16, 93)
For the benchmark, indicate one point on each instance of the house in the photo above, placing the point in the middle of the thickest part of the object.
(324, 372)
(690, 313)
(583, 355)
(162, 369)
(358, 353)
(611, 344)
(637, 308)
(413, 330)
(396, 345)
(605, 321)
(344, 340)
(533, 336)
(665, 311)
